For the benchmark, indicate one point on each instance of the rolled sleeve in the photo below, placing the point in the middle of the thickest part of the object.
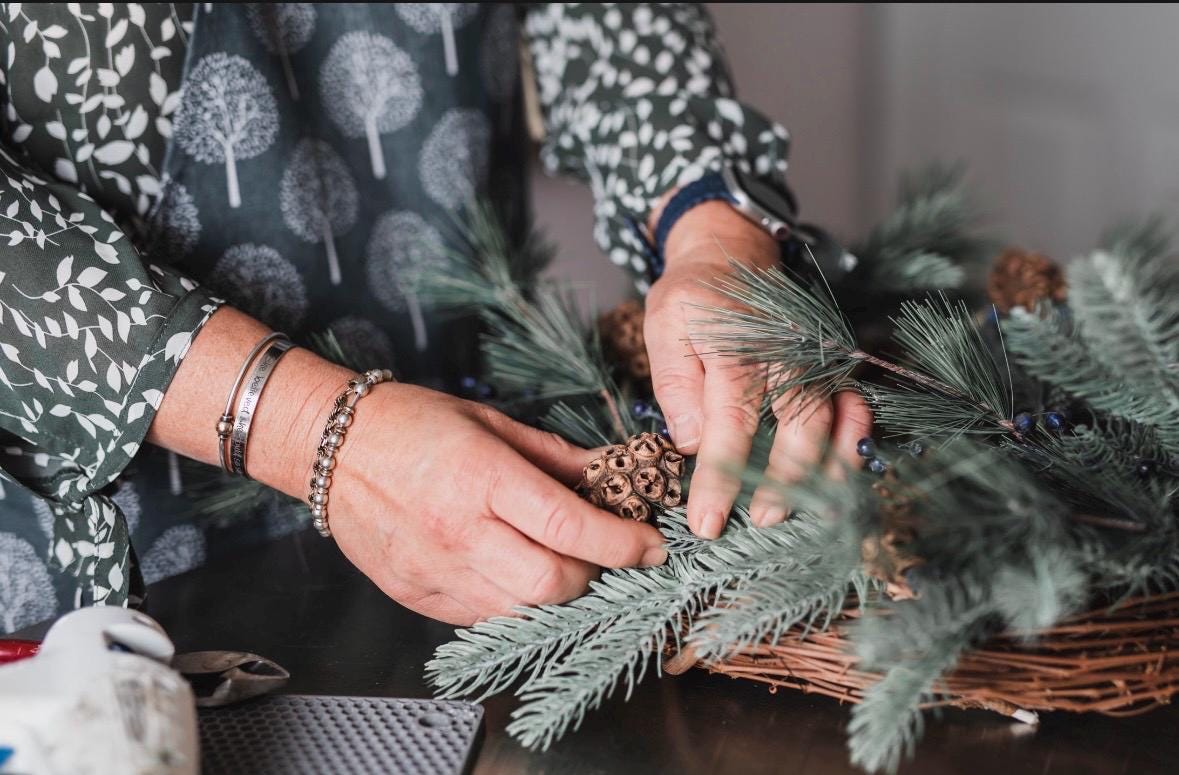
(637, 100)
(90, 337)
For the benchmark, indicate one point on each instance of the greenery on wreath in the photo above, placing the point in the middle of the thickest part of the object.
(1039, 447)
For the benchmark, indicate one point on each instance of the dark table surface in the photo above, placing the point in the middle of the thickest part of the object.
(299, 602)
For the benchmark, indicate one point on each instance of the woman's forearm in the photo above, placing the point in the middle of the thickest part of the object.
(290, 414)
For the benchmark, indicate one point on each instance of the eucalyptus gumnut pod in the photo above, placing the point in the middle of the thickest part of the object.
(628, 479)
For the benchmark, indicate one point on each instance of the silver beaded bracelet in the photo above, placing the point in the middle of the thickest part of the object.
(332, 439)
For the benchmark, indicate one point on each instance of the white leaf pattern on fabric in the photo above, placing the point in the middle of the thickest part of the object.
(259, 281)
(26, 592)
(318, 198)
(401, 246)
(454, 158)
(126, 497)
(178, 549)
(227, 114)
(370, 87)
(283, 28)
(444, 18)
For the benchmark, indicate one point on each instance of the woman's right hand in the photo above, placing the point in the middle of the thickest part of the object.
(460, 513)
(450, 507)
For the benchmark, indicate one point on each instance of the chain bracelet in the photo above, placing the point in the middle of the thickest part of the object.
(332, 439)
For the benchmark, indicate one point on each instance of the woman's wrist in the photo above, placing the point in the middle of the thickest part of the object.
(289, 416)
(713, 232)
(290, 420)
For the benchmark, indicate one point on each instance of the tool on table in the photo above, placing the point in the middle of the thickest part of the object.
(225, 677)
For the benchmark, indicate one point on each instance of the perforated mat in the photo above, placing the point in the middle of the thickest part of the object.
(295, 734)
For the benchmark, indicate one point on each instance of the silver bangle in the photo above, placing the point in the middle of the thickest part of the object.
(225, 421)
(248, 402)
(332, 439)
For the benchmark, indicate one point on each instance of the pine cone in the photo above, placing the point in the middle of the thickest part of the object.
(629, 478)
(1020, 278)
(885, 556)
(621, 330)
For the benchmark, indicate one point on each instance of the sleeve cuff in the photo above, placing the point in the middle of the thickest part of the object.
(158, 366)
(630, 169)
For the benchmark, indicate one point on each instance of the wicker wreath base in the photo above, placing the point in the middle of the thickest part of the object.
(1118, 662)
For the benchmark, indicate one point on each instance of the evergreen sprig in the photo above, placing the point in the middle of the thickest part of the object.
(572, 657)
(926, 242)
(1016, 527)
(537, 343)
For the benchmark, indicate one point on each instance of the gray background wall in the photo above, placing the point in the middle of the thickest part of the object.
(1066, 115)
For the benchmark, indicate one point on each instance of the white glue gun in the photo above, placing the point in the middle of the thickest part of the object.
(98, 698)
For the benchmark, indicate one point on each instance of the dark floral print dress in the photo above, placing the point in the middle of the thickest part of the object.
(301, 162)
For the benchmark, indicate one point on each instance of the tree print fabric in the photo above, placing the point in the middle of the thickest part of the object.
(370, 87)
(318, 198)
(227, 113)
(301, 161)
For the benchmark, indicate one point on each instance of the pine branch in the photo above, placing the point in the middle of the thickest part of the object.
(925, 241)
(819, 547)
(796, 332)
(886, 726)
(1044, 344)
(582, 425)
(800, 338)
(1124, 303)
(482, 270)
(572, 657)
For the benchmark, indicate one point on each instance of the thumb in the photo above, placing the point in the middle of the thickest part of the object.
(677, 377)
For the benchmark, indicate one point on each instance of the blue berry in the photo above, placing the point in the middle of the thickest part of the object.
(484, 391)
(665, 433)
(1055, 421)
(1025, 422)
(1146, 467)
(469, 384)
(993, 316)
(877, 466)
(640, 409)
(866, 447)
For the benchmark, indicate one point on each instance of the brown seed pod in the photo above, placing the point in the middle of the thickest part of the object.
(630, 479)
(1021, 278)
(621, 331)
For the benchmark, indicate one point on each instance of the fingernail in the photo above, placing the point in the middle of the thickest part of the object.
(771, 515)
(656, 555)
(713, 524)
(685, 430)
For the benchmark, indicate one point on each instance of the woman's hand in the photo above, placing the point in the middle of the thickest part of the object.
(448, 506)
(459, 513)
(712, 404)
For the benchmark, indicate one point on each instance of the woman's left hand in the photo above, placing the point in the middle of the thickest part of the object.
(712, 404)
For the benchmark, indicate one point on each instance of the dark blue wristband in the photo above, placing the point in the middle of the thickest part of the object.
(709, 188)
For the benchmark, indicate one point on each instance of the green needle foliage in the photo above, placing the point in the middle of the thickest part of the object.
(924, 245)
(1016, 523)
(1117, 346)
